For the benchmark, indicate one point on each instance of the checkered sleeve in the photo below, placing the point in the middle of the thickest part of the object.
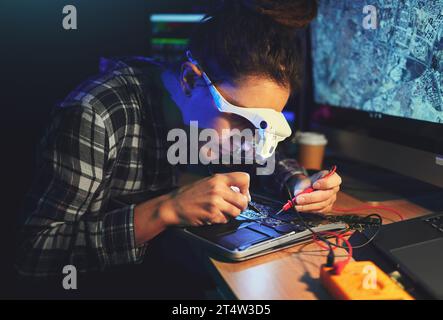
(59, 228)
(285, 169)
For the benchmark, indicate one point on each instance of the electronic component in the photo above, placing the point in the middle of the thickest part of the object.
(284, 223)
(361, 280)
(355, 222)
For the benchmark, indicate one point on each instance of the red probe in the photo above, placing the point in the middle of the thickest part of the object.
(310, 189)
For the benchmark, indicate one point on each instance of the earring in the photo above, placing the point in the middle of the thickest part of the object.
(184, 83)
(186, 91)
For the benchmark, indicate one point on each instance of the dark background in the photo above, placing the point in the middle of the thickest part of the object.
(40, 63)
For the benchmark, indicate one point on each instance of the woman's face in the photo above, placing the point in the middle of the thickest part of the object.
(250, 92)
(247, 92)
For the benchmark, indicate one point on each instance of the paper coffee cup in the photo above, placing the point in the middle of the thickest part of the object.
(311, 149)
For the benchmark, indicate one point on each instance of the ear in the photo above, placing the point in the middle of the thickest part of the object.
(189, 74)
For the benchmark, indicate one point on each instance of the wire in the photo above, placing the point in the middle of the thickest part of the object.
(369, 207)
(339, 266)
(321, 245)
(331, 256)
(314, 233)
(331, 244)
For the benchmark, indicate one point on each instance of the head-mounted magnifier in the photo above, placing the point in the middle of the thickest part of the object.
(271, 125)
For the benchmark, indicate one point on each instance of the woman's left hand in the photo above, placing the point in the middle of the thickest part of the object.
(325, 194)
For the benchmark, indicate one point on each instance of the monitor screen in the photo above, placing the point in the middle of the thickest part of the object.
(170, 34)
(392, 66)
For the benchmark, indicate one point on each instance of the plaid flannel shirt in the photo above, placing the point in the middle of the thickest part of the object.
(107, 140)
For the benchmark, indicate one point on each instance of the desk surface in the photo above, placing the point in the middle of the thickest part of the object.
(293, 273)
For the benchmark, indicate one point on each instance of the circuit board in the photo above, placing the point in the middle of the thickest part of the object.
(264, 213)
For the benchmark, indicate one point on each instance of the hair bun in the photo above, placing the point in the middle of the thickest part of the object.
(290, 13)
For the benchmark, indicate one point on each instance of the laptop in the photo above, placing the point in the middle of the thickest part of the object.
(415, 248)
(255, 232)
(258, 231)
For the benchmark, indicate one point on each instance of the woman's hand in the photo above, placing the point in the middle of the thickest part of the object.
(323, 198)
(208, 201)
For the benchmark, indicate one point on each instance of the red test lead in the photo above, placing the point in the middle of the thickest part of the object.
(310, 189)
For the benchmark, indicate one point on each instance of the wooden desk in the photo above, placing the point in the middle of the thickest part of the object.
(294, 273)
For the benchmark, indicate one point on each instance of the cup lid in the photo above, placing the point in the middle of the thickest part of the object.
(311, 138)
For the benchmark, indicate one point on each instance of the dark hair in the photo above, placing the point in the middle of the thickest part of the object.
(252, 37)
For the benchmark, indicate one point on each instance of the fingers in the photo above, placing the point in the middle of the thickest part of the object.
(326, 210)
(302, 185)
(318, 175)
(317, 206)
(240, 180)
(226, 196)
(316, 196)
(236, 199)
(229, 210)
(218, 219)
(214, 211)
(328, 183)
(225, 202)
(220, 211)
(223, 186)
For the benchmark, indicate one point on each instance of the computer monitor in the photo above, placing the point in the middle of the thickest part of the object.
(377, 86)
(170, 34)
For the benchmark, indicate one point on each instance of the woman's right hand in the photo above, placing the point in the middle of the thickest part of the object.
(207, 201)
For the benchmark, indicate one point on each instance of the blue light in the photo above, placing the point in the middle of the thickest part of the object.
(185, 18)
(290, 116)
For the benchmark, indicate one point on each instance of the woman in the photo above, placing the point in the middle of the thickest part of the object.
(109, 139)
